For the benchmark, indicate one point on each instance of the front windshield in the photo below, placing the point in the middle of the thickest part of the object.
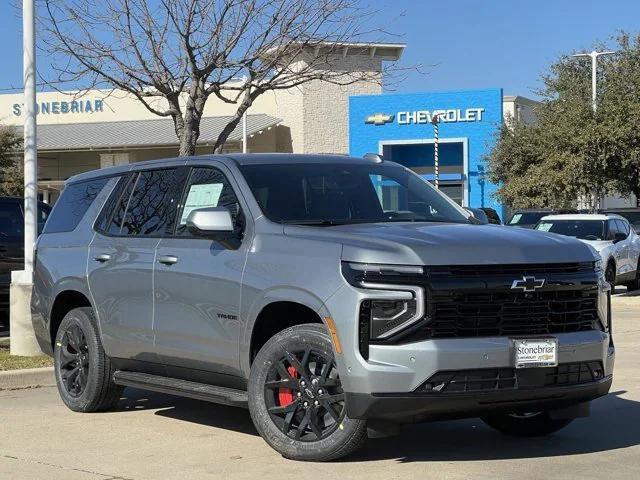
(584, 229)
(333, 194)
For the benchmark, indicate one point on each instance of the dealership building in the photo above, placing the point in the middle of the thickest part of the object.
(95, 129)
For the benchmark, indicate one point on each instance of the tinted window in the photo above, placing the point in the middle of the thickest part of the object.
(623, 227)
(74, 202)
(208, 187)
(43, 213)
(613, 229)
(11, 221)
(152, 208)
(584, 229)
(326, 194)
(113, 202)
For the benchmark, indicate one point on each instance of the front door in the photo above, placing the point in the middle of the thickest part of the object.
(121, 259)
(197, 283)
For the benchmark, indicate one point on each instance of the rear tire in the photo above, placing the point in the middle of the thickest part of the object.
(83, 370)
(296, 399)
(536, 424)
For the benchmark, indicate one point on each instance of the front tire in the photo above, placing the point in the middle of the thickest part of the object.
(296, 399)
(610, 274)
(83, 370)
(536, 424)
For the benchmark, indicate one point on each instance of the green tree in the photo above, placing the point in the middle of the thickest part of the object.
(11, 178)
(570, 152)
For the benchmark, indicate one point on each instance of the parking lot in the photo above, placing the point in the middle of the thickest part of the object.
(153, 436)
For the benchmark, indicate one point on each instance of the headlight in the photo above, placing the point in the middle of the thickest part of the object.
(394, 303)
(359, 273)
(390, 316)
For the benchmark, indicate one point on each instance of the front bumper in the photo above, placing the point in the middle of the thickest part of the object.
(384, 385)
(414, 407)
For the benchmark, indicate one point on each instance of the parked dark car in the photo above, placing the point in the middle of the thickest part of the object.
(11, 246)
(492, 215)
(632, 214)
(529, 217)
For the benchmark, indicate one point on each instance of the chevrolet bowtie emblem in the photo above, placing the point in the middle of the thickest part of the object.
(379, 119)
(528, 284)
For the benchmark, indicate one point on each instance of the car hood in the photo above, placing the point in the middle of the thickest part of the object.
(447, 244)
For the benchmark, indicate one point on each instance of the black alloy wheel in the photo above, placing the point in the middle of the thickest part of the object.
(304, 396)
(74, 365)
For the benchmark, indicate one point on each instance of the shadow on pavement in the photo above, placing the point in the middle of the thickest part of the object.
(188, 410)
(614, 424)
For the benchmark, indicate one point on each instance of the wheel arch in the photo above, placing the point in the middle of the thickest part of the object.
(266, 314)
(63, 303)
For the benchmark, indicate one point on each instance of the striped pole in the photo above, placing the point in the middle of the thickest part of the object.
(435, 120)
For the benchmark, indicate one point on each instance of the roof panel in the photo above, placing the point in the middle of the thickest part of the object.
(140, 133)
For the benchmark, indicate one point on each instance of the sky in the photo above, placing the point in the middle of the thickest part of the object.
(458, 44)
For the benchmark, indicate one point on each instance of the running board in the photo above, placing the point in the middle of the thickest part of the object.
(182, 388)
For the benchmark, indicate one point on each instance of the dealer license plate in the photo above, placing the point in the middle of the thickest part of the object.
(535, 352)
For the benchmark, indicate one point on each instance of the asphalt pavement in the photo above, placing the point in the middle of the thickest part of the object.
(153, 436)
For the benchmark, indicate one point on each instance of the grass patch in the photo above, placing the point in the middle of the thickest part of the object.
(13, 362)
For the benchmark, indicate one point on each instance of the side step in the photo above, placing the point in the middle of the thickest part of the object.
(182, 388)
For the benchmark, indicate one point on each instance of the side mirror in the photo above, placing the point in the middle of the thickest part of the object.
(618, 237)
(477, 215)
(215, 223)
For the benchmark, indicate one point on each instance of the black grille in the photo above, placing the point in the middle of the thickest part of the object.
(511, 269)
(500, 379)
(575, 373)
(510, 313)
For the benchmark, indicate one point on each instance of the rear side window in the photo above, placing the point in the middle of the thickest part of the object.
(73, 204)
(149, 204)
(11, 222)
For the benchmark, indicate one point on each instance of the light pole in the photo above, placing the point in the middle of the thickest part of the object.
(23, 341)
(594, 98)
(435, 121)
(594, 74)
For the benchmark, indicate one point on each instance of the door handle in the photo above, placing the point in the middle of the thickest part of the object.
(167, 259)
(103, 257)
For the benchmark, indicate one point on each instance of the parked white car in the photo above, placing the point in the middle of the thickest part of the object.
(610, 234)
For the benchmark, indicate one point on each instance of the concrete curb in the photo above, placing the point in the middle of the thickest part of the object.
(27, 378)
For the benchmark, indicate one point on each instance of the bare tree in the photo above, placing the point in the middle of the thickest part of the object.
(173, 55)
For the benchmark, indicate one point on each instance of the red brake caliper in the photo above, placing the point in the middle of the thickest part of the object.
(285, 395)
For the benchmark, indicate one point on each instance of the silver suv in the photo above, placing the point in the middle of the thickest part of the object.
(333, 296)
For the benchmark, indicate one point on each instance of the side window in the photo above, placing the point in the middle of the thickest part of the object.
(208, 187)
(623, 227)
(152, 208)
(11, 221)
(110, 208)
(74, 202)
(613, 229)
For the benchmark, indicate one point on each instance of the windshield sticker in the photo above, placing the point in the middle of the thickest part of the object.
(516, 218)
(545, 227)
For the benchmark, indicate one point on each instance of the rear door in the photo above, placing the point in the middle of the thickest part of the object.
(121, 259)
(197, 282)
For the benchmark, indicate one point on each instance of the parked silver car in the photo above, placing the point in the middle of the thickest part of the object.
(611, 235)
(330, 295)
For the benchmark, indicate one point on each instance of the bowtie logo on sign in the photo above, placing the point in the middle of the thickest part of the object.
(379, 119)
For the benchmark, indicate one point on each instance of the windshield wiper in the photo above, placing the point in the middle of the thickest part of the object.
(318, 222)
